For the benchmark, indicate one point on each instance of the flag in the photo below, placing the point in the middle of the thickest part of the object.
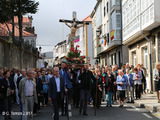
(112, 34)
(104, 42)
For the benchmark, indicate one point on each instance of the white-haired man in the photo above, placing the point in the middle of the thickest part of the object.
(56, 91)
(27, 89)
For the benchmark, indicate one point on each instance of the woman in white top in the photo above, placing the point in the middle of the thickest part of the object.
(156, 78)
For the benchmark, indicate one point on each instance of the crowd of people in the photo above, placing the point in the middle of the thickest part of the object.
(32, 89)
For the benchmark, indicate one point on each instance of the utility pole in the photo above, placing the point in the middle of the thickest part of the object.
(86, 41)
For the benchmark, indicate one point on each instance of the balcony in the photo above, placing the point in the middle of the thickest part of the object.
(115, 7)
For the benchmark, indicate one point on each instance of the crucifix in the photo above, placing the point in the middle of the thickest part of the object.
(73, 25)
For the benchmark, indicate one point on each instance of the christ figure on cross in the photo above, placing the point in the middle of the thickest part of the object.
(73, 27)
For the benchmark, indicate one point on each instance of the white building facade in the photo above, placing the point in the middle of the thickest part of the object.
(60, 51)
(141, 18)
(106, 19)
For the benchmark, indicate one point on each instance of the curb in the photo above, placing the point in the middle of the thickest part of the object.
(151, 108)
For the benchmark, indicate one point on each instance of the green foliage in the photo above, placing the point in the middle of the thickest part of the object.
(5, 11)
(10, 40)
(27, 6)
(21, 7)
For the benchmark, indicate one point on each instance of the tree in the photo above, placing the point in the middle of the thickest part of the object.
(11, 8)
(7, 14)
(25, 7)
(4, 11)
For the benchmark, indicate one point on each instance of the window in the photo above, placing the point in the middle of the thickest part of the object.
(118, 34)
(147, 16)
(118, 21)
(61, 49)
(107, 38)
(107, 26)
(118, 11)
(57, 50)
(117, 2)
(151, 13)
(65, 48)
(111, 4)
(107, 7)
(112, 59)
(134, 59)
(145, 51)
(119, 58)
(115, 59)
(104, 29)
(104, 11)
(111, 23)
(145, 59)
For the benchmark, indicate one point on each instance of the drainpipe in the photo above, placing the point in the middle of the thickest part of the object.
(150, 49)
(150, 59)
(121, 35)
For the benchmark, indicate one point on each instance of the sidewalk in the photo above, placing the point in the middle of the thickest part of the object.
(150, 102)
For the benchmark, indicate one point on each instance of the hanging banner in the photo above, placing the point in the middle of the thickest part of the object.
(77, 39)
(112, 34)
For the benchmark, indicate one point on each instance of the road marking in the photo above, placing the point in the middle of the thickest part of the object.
(135, 108)
(69, 113)
(156, 114)
(148, 116)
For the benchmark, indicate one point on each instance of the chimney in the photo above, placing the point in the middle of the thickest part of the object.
(30, 30)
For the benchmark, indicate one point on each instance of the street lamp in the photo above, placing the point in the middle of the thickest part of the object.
(97, 35)
(98, 32)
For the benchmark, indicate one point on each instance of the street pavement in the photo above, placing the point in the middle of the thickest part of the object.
(129, 112)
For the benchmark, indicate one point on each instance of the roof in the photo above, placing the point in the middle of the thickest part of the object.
(24, 33)
(87, 19)
(25, 20)
(95, 8)
(63, 42)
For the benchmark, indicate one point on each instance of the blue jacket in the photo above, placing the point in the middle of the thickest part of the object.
(53, 88)
(67, 78)
(130, 79)
(123, 80)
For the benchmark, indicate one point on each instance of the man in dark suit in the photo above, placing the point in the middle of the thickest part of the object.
(115, 74)
(76, 87)
(56, 91)
(85, 85)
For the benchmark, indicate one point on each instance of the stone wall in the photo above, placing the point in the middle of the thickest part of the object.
(11, 56)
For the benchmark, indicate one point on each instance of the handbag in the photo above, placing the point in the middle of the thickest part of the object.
(45, 88)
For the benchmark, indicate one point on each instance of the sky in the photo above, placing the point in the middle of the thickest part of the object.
(46, 21)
